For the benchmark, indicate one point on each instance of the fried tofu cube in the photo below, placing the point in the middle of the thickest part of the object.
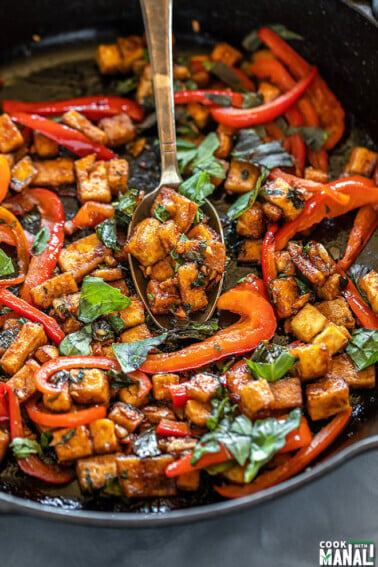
(337, 311)
(23, 174)
(369, 284)
(202, 387)
(103, 436)
(108, 59)
(332, 287)
(126, 416)
(285, 293)
(89, 386)
(52, 173)
(343, 367)
(327, 397)
(145, 90)
(189, 481)
(155, 413)
(31, 336)
(118, 175)
(93, 472)
(4, 444)
(224, 135)
(241, 177)
(46, 352)
(313, 361)
(133, 314)
(291, 201)
(22, 383)
(215, 256)
(284, 263)
(60, 402)
(109, 275)
(162, 271)
(308, 323)
(121, 285)
(361, 162)
(66, 307)
(256, 395)
(145, 244)
(44, 294)
(192, 295)
(161, 385)
(316, 175)
(199, 113)
(271, 211)
(131, 49)
(287, 394)
(335, 337)
(268, 91)
(226, 53)
(251, 223)
(197, 412)
(82, 256)
(119, 129)
(137, 333)
(162, 298)
(92, 180)
(169, 235)
(44, 146)
(250, 252)
(72, 444)
(78, 121)
(145, 478)
(202, 231)
(181, 209)
(10, 137)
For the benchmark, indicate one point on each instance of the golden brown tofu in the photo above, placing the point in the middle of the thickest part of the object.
(191, 294)
(108, 274)
(82, 256)
(66, 307)
(361, 162)
(284, 264)
(78, 121)
(279, 193)
(162, 270)
(10, 136)
(202, 231)
(202, 387)
(369, 284)
(53, 172)
(271, 211)
(45, 353)
(131, 49)
(23, 174)
(235, 474)
(133, 314)
(189, 481)
(94, 472)
(60, 402)
(22, 382)
(72, 444)
(332, 287)
(327, 397)
(308, 323)
(103, 436)
(109, 59)
(313, 361)
(215, 256)
(169, 235)
(145, 89)
(335, 337)
(285, 293)
(137, 333)
(226, 53)
(268, 91)
(119, 129)
(161, 385)
(162, 298)
(4, 444)
(44, 147)
(44, 294)
(242, 177)
(337, 311)
(118, 175)
(256, 395)
(31, 336)
(316, 175)
(199, 113)
(90, 386)
(145, 478)
(251, 223)
(224, 135)
(303, 263)
(121, 285)
(287, 394)
(181, 209)
(155, 414)
(126, 416)
(145, 244)
(250, 252)
(343, 367)
(197, 412)
(92, 180)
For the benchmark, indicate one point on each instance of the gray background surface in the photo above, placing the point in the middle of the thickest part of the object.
(281, 533)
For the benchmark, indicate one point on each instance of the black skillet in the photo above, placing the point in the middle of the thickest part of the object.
(51, 46)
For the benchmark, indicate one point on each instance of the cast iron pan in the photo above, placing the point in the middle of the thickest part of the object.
(46, 51)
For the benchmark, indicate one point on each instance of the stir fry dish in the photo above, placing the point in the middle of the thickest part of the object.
(90, 389)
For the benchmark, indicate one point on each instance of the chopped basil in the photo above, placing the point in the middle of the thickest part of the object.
(313, 136)
(6, 265)
(363, 347)
(221, 99)
(127, 86)
(252, 42)
(40, 241)
(118, 379)
(250, 148)
(221, 409)
(78, 343)
(200, 158)
(99, 298)
(188, 329)
(146, 444)
(132, 355)
(161, 213)
(22, 447)
(117, 323)
(274, 370)
(125, 206)
(356, 272)
(106, 232)
(45, 439)
(250, 100)
(197, 187)
(193, 255)
(226, 74)
(111, 486)
(102, 331)
(244, 202)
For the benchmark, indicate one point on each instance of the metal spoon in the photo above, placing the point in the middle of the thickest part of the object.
(157, 15)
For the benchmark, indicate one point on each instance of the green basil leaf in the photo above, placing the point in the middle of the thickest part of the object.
(45, 439)
(250, 100)
(78, 343)
(250, 148)
(186, 152)
(197, 187)
(125, 206)
(106, 232)
(188, 329)
(40, 241)
(22, 447)
(221, 99)
(6, 265)
(161, 213)
(363, 347)
(244, 202)
(313, 136)
(227, 75)
(272, 371)
(99, 298)
(127, 86)
(132, 355)
(117, 323)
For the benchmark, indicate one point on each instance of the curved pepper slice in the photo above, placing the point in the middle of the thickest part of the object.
(91, 214)
(268, 263)
(52, 217)
(364, 225)
(257, 322)
(5, 176)
(69, 419)
(183, 465)
(11, 229)
(243, 118)
(295, 464)
(358, 305)
(309, 185)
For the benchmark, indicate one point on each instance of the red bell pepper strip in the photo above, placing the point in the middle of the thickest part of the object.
(183, 465)
(70, 419)
(364, 225)
(144, 383)
(257, 322)
(327, 106)
(358, 305)
(268, 262)
(319, 443)
(6, 235)
(93, 107)
(32, 465)
(12, 226)
(67, 137)
(53, 330)
(52, 217)
(248, 85)
(5, 176)
(298, 147)
(185, 97)
(243, 118)
(91, 214)
(297, 438)
(4, 412)
(310, 185)
(179, 395)
(168, 427)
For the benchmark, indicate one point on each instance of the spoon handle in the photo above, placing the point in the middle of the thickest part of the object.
(157, 15)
